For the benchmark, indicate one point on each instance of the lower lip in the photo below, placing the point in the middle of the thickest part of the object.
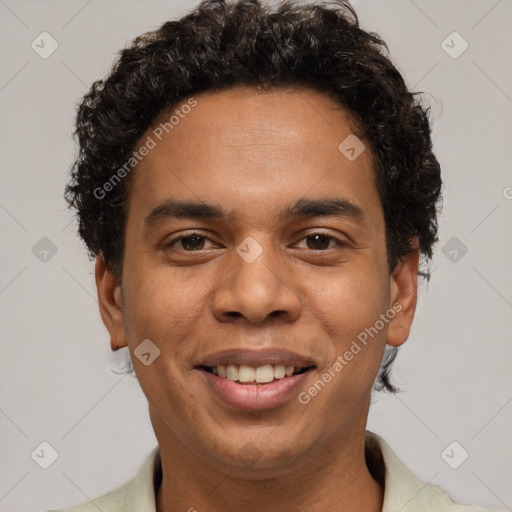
(254, 397)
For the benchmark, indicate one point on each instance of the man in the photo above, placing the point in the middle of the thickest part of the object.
(258, 188)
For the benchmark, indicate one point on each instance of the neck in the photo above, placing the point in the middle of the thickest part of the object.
(335, 479)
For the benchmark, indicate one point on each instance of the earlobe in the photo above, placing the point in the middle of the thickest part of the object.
(110, 303)
(403, 294)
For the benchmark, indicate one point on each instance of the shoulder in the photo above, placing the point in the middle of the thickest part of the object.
(114, 501)
(137, 495)
(402, 489)
(434, 498)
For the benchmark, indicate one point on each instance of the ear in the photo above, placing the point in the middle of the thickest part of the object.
(110, 303)
(403, 294)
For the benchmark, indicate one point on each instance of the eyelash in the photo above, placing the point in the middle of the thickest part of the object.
(339, 241)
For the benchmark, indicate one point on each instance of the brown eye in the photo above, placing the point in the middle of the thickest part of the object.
(321, 241)
(189, 243)
(193, 242)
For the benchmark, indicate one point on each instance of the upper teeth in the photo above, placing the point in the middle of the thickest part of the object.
(261, 374)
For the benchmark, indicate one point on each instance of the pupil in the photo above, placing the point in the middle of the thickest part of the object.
(322, 238)
(194, 245)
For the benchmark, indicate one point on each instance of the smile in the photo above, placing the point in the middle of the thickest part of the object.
(264, 374)
(250, 379)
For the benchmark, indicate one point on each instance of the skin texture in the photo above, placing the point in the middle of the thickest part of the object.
(254, 154)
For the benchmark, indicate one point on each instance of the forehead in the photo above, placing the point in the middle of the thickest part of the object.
(253, 152)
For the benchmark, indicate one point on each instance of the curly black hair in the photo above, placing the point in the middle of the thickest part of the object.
(222, 44)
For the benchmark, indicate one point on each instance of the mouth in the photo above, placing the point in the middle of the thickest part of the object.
(264, 374)
(255, 380)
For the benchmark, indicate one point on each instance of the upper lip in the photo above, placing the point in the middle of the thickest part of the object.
(257, 358)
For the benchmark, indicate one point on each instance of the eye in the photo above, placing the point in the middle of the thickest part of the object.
(321, 241)
(189, 243)
(196, 242)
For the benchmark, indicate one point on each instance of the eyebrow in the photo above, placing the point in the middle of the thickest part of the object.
(301, 209)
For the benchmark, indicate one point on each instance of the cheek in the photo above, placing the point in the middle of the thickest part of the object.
(348, 307)
(160, 310)
(163, 306)
(350, 301)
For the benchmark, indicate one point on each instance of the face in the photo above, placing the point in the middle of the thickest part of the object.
(253, 241)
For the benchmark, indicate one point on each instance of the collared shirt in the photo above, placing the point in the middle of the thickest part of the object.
(403, 491)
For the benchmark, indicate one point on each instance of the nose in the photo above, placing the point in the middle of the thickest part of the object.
(256, 291)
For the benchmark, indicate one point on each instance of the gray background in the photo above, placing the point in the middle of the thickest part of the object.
(55, 381)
